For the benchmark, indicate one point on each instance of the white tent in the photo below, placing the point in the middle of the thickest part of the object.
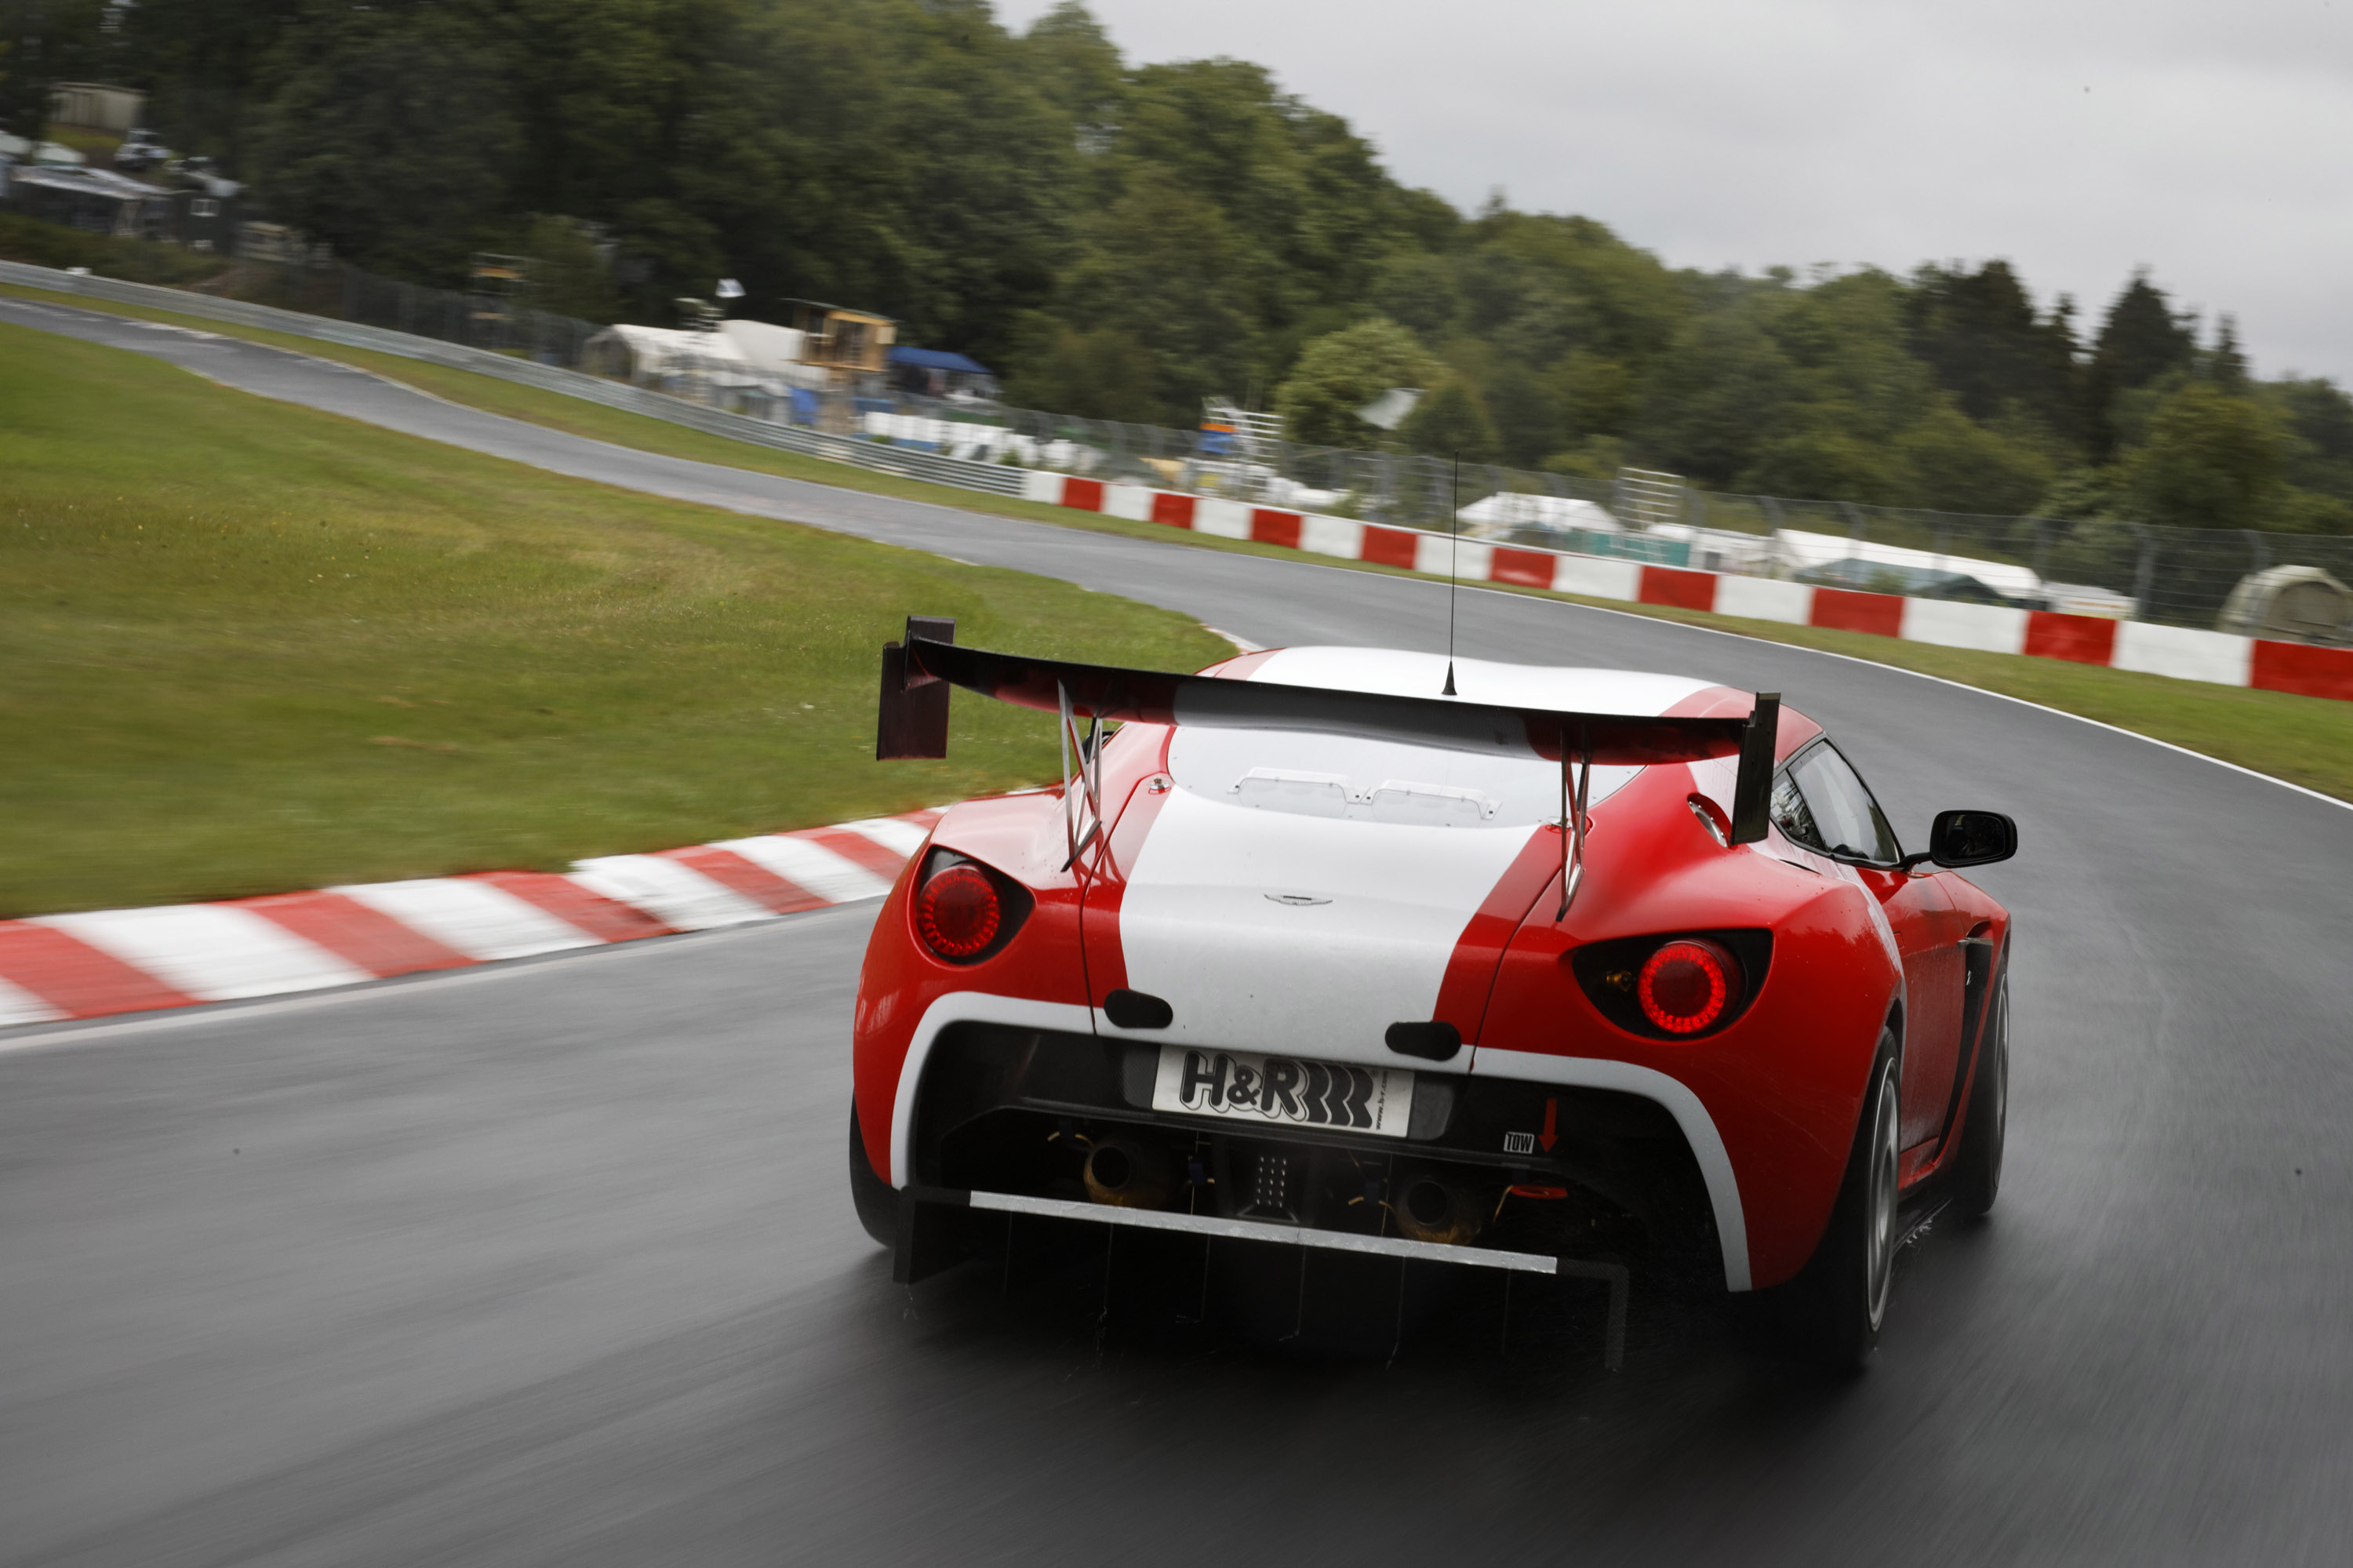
(1506, 509)
(773, 351)
(1795, 551)
(651, 355)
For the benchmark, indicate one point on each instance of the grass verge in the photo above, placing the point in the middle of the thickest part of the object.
(2305, 740)
(247, 647)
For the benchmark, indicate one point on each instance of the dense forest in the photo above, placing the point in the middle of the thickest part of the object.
(1122, 239)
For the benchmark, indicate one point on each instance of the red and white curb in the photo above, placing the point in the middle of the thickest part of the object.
(57, 966)
(2185, 652)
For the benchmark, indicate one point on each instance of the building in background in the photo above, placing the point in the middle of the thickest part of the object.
(96, 201)
(95, 106)
(852, 346)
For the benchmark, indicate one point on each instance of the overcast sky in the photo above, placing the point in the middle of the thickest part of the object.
(2213, 143)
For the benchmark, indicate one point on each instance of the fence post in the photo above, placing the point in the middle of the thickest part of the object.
(2144, 575)
(1944, 536)
(1859, 532)
(2255, 545)
(2042, 547)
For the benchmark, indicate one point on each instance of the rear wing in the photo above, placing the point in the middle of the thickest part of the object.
(917, 674)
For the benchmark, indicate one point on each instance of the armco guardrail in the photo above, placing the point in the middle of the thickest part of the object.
(992, 478)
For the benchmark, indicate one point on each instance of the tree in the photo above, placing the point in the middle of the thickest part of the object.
(1100, 375)
(1079, 71)
(1158, 267)
(2226, 364)
(1452, 422)
(2319, 422)
(2141, 341)
(2211, 460)
(1343, 371)
(387, 134)
(1959, 465)
(567, 276)
(42, 43)
(1417, 290)
(204, 64)
(1826, 463)
(1979, 332)
(1526, 415)
(1713, 399)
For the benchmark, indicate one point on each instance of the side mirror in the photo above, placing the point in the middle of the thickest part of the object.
(1971, 838)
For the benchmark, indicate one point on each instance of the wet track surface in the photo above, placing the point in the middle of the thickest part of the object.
(555, 1262)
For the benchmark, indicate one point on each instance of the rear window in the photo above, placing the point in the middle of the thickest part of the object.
(1373, 781)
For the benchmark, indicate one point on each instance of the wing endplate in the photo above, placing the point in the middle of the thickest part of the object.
(1752, 788)
(913, 719)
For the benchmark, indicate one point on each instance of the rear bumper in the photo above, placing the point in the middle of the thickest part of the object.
(993, 1106)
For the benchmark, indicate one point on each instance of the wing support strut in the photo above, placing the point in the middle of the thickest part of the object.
(1573, 826)
(1088, 785)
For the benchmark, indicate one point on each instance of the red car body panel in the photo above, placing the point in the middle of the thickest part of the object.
(1767, 1102)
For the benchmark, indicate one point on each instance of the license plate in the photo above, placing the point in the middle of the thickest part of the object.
(1283, 1091)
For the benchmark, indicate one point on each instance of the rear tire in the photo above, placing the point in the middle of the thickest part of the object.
(1830, 1314)
(876, 1202)
(1977, 1166)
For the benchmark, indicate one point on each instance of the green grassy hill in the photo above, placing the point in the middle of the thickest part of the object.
(246, 647)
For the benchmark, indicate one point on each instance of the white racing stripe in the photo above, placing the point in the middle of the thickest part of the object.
(1201, 927)
(1309, 929)
(476, 919)
(214, 952)
(1396, 672)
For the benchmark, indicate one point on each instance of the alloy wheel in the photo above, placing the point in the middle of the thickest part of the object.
(1879, 1243)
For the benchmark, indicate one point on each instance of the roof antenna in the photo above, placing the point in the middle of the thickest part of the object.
(1453, 544)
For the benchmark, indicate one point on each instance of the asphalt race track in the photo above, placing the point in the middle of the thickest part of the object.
(555, 1262)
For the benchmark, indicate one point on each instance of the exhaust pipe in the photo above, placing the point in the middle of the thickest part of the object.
(1436, 1209)
(1129, 1175)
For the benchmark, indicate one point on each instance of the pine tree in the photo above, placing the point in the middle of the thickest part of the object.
(2226, 366)
(2141, 341)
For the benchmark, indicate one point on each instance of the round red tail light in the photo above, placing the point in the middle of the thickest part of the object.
(1687, 985)
(957, 911)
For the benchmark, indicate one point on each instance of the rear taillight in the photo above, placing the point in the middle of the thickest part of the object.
(958, 912)
(1687, 985)
(1673, 987)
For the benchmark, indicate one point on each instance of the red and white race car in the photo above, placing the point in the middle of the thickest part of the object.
(1355, 950)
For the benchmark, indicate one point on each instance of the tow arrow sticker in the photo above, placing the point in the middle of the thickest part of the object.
(1526, 1142)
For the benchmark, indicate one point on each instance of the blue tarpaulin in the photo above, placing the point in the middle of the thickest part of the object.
(938, 359)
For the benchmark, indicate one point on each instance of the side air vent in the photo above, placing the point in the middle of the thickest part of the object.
(1138, 1010)
(1436, 1041)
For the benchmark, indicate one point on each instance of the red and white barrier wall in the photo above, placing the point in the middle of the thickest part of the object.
(2180, 651)
(124, 960)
